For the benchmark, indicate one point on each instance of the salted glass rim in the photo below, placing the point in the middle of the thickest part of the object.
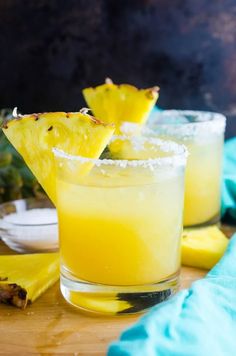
(207, 121)
(178, 157)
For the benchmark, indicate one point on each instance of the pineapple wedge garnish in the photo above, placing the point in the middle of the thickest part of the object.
(35, 135)
(203, 247)
(121, 104)
(23, 278)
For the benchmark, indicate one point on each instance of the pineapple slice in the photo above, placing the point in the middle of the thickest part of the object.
(35, 135)
(204, 247)
(99, 304)
(121, 104)
(23, 278)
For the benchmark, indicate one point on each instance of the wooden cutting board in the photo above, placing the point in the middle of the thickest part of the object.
(51, 326)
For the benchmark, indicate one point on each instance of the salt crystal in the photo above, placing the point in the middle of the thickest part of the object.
(177, 158)
(187, 124)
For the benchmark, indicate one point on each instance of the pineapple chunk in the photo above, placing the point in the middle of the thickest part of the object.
(23, 278)
(203, 247)
(99, 304)
(35, 135)
(120, 104)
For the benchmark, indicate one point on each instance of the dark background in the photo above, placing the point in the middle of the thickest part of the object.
(51, 49)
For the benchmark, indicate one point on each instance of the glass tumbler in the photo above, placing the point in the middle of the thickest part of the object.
(203, 135)
(120, 224)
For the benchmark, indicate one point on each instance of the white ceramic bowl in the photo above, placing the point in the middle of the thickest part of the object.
(29, 225)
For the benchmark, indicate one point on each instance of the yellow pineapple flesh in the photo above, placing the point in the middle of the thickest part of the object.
(23, 278)
(106, 304)
(34, 137)
(120, 104)
(203, 247)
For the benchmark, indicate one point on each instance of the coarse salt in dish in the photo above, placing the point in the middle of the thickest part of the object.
(29, 225)
(33, 217)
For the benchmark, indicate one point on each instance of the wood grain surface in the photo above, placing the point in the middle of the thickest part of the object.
(51, 326)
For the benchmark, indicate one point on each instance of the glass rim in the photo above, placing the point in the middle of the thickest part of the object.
(178, 157)
(206, 121)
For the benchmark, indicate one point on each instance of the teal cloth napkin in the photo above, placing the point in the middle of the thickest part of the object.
(199, 321)
(229, 180)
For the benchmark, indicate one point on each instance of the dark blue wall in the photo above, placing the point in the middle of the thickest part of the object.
(51, 49)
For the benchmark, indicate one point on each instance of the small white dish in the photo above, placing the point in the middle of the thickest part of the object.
(29, 225)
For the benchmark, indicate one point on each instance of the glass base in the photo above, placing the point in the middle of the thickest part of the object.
(116, 300)
(215, 220)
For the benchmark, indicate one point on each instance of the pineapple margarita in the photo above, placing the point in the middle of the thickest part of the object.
(120, 225)
(203, 134)
(119, 204)
(119, 200)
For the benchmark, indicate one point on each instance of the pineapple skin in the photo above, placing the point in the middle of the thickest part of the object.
(203, 248)
(120, 104)
(23, 278)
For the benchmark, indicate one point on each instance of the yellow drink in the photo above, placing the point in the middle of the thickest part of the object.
(130, 233)
(121, 225)
(202, 133)
(203, 181)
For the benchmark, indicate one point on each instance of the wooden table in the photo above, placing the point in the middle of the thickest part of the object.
(51, 326)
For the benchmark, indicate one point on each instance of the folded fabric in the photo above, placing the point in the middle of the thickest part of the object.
(229, 180)
(199, 321)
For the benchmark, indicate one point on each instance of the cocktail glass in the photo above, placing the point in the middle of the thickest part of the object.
(203, 134)
(120, 225)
